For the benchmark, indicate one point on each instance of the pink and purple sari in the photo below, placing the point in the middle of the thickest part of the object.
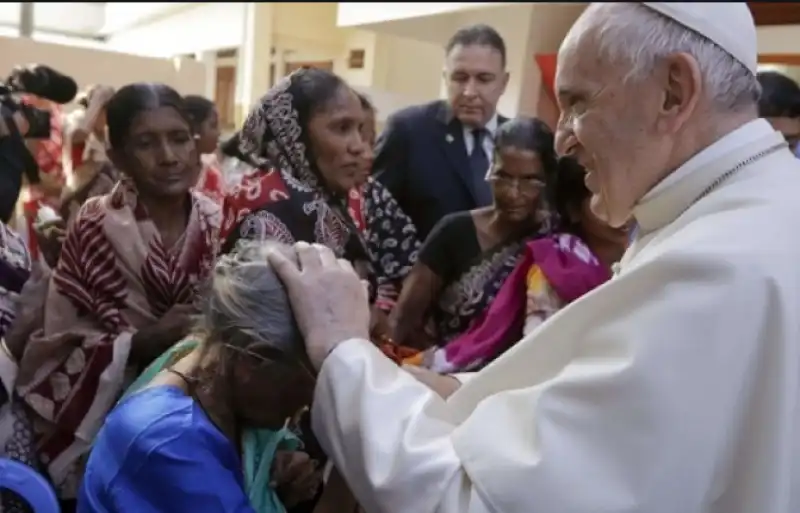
(569, 270)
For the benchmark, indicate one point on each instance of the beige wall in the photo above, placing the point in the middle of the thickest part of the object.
(779, 39)
(397, 71)
(403, 59)
(88, 66)
(527, 28)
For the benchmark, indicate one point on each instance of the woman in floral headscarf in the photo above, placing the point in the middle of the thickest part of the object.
(305, 140)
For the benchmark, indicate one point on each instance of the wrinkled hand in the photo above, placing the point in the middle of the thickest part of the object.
(442, 384)
(329, 301)
(295, 477)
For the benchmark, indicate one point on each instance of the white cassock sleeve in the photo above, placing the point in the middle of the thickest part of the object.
(626, 401)
(391, 444)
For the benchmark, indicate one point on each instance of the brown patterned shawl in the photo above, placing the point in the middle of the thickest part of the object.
(113, 278)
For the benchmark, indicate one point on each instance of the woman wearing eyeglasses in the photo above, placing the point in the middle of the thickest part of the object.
(203, 429)
(488, 276)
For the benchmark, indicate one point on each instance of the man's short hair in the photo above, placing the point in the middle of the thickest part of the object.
(780, 96)
(480, 34)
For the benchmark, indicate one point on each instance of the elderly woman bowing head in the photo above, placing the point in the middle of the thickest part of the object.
(199, 430)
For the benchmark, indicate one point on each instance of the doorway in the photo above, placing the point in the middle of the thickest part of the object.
(225, 97)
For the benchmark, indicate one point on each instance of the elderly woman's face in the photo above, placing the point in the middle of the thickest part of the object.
(611, 126)
(518, 180)
(334, 133)
(270, 391)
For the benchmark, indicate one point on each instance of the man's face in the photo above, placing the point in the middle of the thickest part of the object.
(610, 126)
(790, 128)
(476, 79)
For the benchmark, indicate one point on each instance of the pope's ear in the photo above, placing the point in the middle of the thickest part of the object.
(682, 86)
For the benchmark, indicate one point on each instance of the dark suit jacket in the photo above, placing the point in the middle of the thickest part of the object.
(422, 159)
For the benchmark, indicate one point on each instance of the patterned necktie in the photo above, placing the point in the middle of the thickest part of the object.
(479, 166)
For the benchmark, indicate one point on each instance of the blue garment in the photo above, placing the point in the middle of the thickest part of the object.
(158, 452)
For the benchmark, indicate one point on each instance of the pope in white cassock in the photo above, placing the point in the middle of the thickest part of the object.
(675, 387)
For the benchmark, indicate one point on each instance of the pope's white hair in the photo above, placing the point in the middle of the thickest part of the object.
(638, 37)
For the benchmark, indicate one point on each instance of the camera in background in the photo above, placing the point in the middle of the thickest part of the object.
(42, 81)
(15, 158)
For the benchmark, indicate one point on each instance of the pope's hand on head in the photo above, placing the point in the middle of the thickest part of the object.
(329, 301)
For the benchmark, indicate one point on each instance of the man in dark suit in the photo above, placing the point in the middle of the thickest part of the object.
(434, 158)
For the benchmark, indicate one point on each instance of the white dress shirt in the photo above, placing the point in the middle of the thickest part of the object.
(488, 140)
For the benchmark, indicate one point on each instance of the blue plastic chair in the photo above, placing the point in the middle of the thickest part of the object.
(28, 484)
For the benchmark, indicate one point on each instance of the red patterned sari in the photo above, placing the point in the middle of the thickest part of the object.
(210, 181)
(113, 278)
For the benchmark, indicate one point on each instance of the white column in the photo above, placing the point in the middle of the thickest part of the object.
(209, 60)
(26, 20)
(252, 68)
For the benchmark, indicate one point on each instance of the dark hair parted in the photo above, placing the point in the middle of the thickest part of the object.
(198, 108)
(780, 96)
(480, 34)
(316, 88)
(532, 134)
(134, 99)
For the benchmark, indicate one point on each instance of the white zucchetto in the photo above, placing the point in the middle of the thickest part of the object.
(728, 24)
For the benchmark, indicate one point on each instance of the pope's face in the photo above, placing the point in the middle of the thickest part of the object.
(608, 124)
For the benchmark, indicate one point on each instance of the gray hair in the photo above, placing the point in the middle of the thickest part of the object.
(247, 304)
(638, 37)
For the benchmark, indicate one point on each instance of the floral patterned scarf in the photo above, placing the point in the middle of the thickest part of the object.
(284, 199)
